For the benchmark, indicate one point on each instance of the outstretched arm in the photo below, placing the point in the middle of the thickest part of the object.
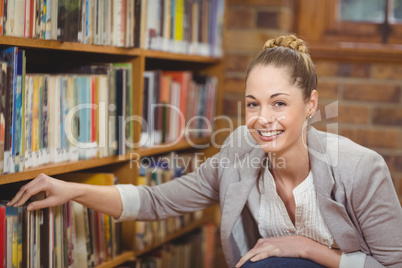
(105, 199)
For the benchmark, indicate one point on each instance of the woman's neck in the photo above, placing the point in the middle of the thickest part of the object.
(290, 167)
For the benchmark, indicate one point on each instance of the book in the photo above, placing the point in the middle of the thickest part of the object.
(9, 55)
(3, 235)
(3, 88)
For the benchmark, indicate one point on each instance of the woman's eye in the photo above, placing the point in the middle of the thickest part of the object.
(251, 104)
(279, 103)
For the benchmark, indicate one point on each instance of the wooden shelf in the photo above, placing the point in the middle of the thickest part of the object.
(190, 227)
(361, 52)
(125, 256)
(53, 169)
(165, 148)
(179, 57)
(66, 167)
(80, 47)
(67, 46)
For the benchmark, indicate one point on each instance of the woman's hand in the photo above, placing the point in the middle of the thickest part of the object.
(57, 192)
(105, 199)
(292, 247)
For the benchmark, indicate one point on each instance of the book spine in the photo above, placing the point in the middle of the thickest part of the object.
(27, 23)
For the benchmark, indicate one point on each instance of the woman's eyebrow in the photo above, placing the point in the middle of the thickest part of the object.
(272, 96)
(278, 94)
(250, 96)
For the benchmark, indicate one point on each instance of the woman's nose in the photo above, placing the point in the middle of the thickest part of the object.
(265, 117)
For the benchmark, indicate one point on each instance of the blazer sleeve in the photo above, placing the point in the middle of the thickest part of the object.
(378, 211)
(191, 192)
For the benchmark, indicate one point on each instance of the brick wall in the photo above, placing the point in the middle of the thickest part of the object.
(369, 95)
(370, 106)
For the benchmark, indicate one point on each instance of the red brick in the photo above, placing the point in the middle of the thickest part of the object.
(385, 138)
(353, 70)
(238, 63)
(325, 68)
(353, 114)
(399, 189)
(397, 181)
(247, 40)
(370, 92)
(388, 116)
(267, 19)
(242, 18)
(334, 69)
(347, 114)
(387, 71)
(394, 162)
(234, 85)
(328, 90)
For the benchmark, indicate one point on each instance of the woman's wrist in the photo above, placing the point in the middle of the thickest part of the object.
(319, 253)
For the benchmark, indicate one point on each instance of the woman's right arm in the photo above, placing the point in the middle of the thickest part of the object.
(105, 199)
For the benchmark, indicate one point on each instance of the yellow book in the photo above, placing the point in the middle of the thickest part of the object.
(35, 115)
(179, 27)
(15, 243)
(89, 178)
(107, 236)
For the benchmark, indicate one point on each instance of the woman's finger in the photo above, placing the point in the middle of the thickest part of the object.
(28, 190)
(45, 203)
(262, 250)
(250, 255)
(262, 255)
(244, 259)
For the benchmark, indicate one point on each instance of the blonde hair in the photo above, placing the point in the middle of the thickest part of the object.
(290, 53)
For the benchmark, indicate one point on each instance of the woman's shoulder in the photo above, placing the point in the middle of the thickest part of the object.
(344, 151)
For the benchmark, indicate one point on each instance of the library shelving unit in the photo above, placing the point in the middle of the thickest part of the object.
(44, 54)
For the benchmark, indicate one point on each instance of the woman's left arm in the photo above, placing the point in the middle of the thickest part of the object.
(293, 247)
(378, 212)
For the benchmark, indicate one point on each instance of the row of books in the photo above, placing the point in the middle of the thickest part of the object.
(191, 26)
(177, 105)
(48, 118)
(69, 235)
(156, 171)
(184, 26)
(194, 250)
(109, 22)
(64, 236)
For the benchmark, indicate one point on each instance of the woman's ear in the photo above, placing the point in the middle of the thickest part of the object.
(313, 102)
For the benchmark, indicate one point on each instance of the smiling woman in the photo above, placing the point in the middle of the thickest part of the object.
(289, 194)
(281, 95)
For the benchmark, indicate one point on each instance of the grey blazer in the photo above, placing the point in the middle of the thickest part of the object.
(354, 190)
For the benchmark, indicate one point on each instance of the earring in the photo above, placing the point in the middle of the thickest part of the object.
(311, 116)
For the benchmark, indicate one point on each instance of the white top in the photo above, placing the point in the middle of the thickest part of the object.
(273, 219)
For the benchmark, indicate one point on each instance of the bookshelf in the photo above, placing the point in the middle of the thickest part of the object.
(102, 40)
(41, 52)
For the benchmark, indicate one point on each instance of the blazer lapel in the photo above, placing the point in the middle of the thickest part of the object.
(236, 196)
(334, 214)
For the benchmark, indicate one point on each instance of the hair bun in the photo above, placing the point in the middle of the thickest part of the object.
(287, 41)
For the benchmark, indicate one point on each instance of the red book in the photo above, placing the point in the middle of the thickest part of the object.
(183, 78)
(2, 236)
(32, 24)
(1, 23)
(93, 111)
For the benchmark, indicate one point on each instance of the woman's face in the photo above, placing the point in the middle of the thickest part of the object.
(276, 111)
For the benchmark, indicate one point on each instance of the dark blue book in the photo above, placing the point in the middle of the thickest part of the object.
(9, 56)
